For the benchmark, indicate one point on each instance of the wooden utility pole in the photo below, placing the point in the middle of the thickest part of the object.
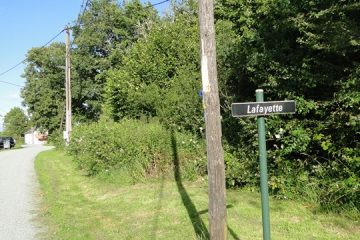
(68, 115)
(215, 154)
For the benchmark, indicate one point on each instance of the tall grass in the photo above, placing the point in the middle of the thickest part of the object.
(136, 149)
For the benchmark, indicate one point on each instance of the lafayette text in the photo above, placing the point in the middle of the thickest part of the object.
(264, 109)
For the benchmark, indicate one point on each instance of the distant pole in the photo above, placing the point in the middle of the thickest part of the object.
(68, 125)
(263, 170)
(215, 155)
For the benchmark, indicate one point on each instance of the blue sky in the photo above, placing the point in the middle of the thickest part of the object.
(26, 24)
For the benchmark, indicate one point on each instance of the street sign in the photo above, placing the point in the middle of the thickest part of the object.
(262, 108)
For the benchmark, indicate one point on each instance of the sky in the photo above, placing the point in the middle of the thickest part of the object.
(26, 24)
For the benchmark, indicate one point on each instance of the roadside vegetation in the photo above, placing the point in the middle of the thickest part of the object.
(136, 150)
(136, 89)
(167, 207)
(16, 123)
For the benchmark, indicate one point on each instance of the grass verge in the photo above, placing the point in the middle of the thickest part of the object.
(79, 207)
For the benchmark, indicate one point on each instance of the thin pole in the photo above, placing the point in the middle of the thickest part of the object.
(215, 154)
(68, 124)
(263, 170)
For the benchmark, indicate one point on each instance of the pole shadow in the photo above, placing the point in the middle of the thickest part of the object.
(198, 225)
(232, 233)
(230, 230)
(158, 209)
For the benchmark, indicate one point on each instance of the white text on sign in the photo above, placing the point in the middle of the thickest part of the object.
(264, 109)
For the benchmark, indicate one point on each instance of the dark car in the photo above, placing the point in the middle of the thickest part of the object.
(4, 139)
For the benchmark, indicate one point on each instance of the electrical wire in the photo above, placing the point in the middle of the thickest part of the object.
(82, 9)
(82, 5)
(82, 12)
(52, 39)
(159, 3)
(15, 66)
(16, 85)
(18, 64)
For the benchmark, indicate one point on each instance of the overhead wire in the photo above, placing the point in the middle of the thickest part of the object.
(82, 10)
(82, 5)
(159, 3)
(14, 84)
(80, 16)
(19, 63)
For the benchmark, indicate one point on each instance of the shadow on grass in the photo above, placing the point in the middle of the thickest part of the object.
(232, 233)
(230, 230)
(158, 208)
(198, 225)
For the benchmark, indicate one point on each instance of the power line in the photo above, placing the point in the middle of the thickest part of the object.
(80, 16)
(82, 5)
(19, 63)
(82, 12)
(159, 3)
(52, 39)
(16, 65)
(12, 83)
(83, 9)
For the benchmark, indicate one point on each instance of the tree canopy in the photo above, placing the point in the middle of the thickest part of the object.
(15, 123)
(129, 62)
(44, 94)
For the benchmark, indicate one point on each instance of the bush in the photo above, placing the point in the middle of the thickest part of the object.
(136, 148)
(306, 160)
(56, 138)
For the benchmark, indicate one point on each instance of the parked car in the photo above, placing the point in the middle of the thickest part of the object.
(11, 139)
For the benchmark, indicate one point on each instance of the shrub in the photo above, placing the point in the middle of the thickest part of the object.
(56, 139)
(136, 148)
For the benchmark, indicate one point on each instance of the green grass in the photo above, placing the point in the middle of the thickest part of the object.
(79, 207)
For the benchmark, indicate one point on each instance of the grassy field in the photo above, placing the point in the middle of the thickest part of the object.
(78, 207)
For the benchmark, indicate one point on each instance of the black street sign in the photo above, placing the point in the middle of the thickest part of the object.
(262, 108)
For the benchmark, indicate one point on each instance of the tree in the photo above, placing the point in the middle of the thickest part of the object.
(102, 36)
(15, 123)
(308, 51)
(107, 31)
(44, 94)
(159, 76)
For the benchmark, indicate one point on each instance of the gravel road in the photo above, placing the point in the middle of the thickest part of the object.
(18, 185)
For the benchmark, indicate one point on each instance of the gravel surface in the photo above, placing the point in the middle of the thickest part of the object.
(18, 185)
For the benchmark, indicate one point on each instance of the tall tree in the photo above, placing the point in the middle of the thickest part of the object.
(309, 51)
(44, 94)
(159, 76)
(105, 33)
(15, 122)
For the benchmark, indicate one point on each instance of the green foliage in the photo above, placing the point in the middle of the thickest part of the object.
(128, 63)
(137, 149)
(306, 51)
(240, 168)
(15, 123)
(101, 38)
(44, 92)
(160, 76)
(165, 209)
(106, 32)
(56, 139)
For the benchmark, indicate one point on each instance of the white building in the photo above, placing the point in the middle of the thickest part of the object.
(33, 136)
